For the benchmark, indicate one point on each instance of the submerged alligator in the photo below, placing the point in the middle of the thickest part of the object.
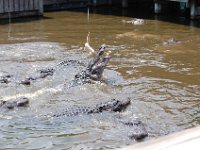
(134, 21)
(45, 72)
(5, 79)
(171, 41)
(12, 103)
(137, 128)
(39, 74)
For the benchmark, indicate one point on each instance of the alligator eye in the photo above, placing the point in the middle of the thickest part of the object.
(117, 102)
(100, 109)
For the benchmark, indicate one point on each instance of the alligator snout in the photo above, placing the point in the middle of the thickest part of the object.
(121, 105)
(12, 103)
(137, 129)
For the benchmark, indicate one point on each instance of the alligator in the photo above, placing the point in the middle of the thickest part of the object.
(113, 105)
(45, 72)
(39, 74)
(96, 67)
(94, 70)
(5, 79)
(138, 130)
(12, 103)
(134, 21)
(171, 41)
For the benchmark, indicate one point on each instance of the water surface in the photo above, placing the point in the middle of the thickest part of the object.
(163, 81)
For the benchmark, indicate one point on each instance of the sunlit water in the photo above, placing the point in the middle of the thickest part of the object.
(163, 81)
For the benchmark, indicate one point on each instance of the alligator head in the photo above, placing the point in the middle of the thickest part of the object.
(113, 105)
(5, 79)
(137, 129)
(18, 102)
(121, 105)
(97, 70)
(94, 70)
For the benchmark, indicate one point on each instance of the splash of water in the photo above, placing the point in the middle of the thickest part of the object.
(36, 93)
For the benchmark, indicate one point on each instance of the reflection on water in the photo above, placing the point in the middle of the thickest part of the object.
(161, 80)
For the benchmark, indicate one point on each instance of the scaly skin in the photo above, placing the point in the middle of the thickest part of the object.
(112, 105)
(94, 70)
(43, 73)
(137, 130)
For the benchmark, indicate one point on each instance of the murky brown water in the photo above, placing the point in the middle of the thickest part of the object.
(163, 81)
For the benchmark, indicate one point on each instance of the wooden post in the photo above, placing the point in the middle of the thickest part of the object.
(21, 5)
(26, 5)
(31, 5)
(95, 3)
(157, 7)
(124, 3)
(1, 6)
(109, 2)
(182, 6)
(20, 8)
(41, 9)
(16, 6)
(6, 6)
(36, 4)
(11, 5)
(193, 9)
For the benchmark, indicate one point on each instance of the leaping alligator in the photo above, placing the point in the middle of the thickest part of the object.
(94, 70)
(137, 128)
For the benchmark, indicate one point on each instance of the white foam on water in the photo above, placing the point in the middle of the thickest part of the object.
(35, 94)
